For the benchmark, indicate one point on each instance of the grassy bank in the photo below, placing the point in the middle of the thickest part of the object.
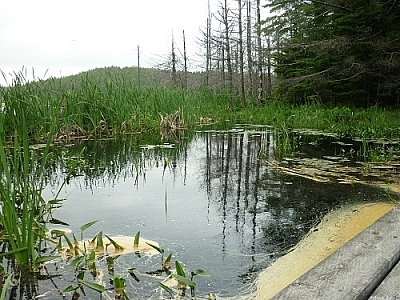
(116, 105)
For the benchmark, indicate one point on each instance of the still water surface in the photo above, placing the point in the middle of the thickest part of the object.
(211, 201)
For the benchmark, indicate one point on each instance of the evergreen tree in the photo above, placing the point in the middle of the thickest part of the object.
(344, 51)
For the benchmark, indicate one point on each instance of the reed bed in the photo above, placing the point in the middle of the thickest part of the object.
(117, 106)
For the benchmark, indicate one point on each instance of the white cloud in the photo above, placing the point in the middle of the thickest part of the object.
(82, 34)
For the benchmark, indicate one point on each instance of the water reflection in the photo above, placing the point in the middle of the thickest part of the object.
(211, 200)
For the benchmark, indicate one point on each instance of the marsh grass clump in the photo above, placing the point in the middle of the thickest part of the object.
(111, 104)
(24, 211)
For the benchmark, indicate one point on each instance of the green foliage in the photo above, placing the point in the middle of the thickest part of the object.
(342, 51)
(101, 103)
(23, 209)
(136, 240)
(86, 226)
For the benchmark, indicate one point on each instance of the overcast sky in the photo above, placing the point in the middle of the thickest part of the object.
(70, 36)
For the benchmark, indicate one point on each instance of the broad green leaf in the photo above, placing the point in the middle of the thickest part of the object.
(200, 272)
(4, 287)
(71, 247)
(94, 286)
(184, 280)
(92, 255)
(55, 201)
(115, 244)
(87, 225)
(57, 233)
(119, 282)
(167, 262)
(70, 288)
(100, 240)
(126, 297)
(42, 259)
(155, 247)
(179, 269)
(76, 262)
(13, 251)
(136, 241)
(166, 288)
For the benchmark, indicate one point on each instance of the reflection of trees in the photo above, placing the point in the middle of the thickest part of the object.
(262, 210)
(110, 161)
(274, 210)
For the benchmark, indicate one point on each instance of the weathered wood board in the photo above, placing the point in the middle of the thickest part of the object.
(389, 289)
(356, 269)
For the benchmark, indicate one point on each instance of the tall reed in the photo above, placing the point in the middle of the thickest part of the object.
(23, 209)
(116, 105)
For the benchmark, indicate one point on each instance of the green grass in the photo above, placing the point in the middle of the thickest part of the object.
(116, 106)
(23, 209)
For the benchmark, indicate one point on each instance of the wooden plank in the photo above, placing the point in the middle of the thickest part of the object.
(356, 269)
(389, 288)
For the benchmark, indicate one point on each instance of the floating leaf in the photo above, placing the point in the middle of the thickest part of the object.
(94, 286)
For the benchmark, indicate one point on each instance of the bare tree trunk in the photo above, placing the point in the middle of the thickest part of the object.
(225, 15)
(208, 46)
(208, 52)
(223, 64)
(269, 80)
(236, 65)
(241, 58)
(173, 56)
(249, 48)
(138, 65)
(260, 96)
(185, 79)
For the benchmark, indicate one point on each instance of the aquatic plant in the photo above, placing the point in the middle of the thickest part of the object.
(115, 105)
(24, 212)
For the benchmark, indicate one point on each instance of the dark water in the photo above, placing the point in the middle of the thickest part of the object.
(211, 201)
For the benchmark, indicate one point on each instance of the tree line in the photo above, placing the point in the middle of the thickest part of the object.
(330, 51)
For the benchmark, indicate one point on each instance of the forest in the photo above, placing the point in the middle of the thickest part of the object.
(332, 51)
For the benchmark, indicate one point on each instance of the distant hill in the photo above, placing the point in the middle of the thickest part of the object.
(149, 77)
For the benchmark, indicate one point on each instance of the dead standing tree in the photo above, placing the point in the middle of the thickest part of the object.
(260, 58)
(249, 48)
(241, 56)
(173, 61)
(208, 46)
(185, 70)
(225, 20)
(138, 65)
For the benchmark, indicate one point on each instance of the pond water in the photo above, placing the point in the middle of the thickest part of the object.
(212, 200)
